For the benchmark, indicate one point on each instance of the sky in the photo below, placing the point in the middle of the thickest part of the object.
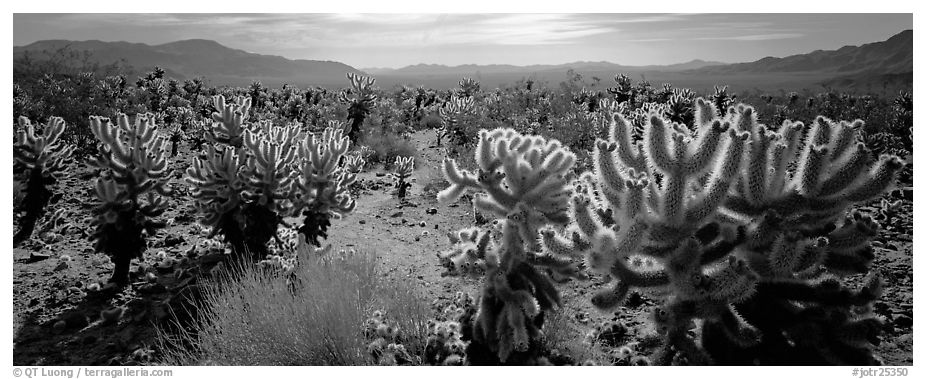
(397, 40)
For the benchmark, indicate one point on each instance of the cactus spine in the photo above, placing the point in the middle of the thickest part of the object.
(38, 160)
(522, 183)
(133, 159)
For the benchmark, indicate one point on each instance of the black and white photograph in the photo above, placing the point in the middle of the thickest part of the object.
(464, 188)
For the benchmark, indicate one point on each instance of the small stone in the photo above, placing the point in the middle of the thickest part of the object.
(362, 222)
(903, 321)
(111, 315)
(59, 326)
(422, 224)
(431, 211)
(404, 221)
(397, 214)
(634, 300)
(62, 265)
(37, 257)
(75, 320)
(152, 288)
(907, 193)
(173, 240)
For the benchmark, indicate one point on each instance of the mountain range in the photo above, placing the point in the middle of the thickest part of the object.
(187, 59)
(869, 67)
(470, 69)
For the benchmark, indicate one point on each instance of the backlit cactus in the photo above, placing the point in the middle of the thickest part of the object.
(522, 183)
(244, 193)
(799, 240)
(740, 225)
(228, 123)
(359, 102)
(38, 159)
(131, 188)
(403, 168)
(452, 115)
(326, 172)
(468, 87)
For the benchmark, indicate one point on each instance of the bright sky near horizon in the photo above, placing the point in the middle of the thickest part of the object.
(396, 40)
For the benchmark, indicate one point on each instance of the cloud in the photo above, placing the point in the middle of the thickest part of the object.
(753, 37)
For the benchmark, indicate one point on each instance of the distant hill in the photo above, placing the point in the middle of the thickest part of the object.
(187, 59)
(472, 69)
(874, 67)
(884, 66)
(894, 56)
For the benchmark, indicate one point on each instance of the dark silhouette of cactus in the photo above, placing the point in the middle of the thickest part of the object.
(722, 100)
(360, 102)
(403, 168)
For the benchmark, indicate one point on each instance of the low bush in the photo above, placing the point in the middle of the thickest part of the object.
(254, 316)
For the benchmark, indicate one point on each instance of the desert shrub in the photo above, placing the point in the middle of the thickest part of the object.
(255, 316)
(430, 122)
(387, 146)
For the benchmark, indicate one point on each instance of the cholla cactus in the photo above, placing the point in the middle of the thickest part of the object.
(680, 109)
(228, 126)
(525, 187)
(799, 240)
(386, 348)
(359, 105)
(134, 163)
(722, 100)
(624, 90)
(322, 190)
(445, 343)
(738, 223)
(468, 87)
(403, 170)
(244, 193)
(38, 159)
(451, 119)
